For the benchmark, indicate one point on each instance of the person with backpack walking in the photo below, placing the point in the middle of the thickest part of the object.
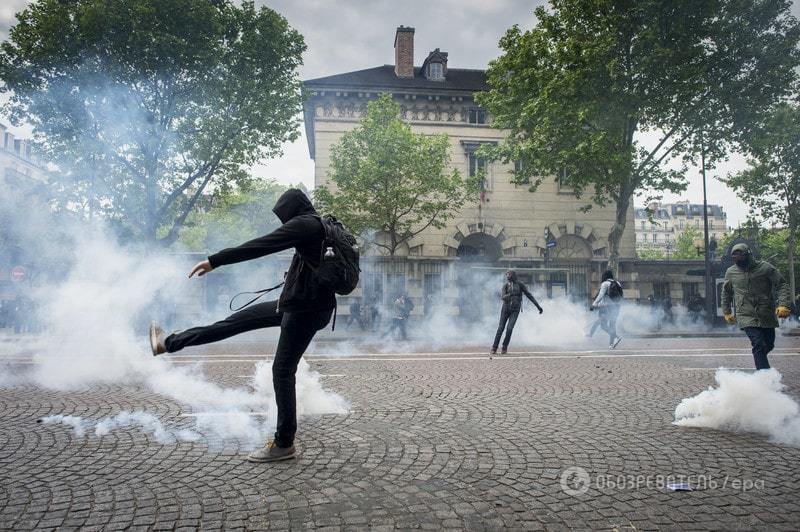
(511, 294)
(752, 286)
(305, 305)
(607, 302)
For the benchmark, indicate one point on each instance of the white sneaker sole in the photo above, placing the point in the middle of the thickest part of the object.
(153, 339)
(266, 460)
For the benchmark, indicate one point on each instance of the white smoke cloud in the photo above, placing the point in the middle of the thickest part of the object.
(744, 402)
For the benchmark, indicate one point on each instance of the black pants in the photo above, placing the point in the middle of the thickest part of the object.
(398, 323)
(763, 341)
(297, 331)
(508, 318)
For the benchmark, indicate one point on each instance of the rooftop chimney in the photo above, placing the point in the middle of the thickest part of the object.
(404, 52)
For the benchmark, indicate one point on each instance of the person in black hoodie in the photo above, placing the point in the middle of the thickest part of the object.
(302, 309)
(512, 304)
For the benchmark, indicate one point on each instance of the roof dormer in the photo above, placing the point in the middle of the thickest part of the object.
(435, 66)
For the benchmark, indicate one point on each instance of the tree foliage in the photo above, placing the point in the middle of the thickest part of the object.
(771, 185)
(390, 184)
(650, 254)
(614, 91)
(233, 217)
(146, 105)
(685, 247)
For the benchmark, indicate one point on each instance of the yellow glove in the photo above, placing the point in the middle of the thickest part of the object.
(730, 318)
(782, 312)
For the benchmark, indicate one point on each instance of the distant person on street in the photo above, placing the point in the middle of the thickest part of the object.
(511, 295)
(748, 300)
(402, 310)
(607, 302)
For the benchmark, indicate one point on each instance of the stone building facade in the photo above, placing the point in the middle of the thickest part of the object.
(555, 247)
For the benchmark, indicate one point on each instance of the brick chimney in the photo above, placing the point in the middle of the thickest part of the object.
(404, 52)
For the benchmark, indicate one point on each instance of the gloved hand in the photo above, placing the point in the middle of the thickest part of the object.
(730, 318)
(782, 312)
(591, 308)
(541, 310)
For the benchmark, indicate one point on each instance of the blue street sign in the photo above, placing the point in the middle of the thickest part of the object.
(551, 244)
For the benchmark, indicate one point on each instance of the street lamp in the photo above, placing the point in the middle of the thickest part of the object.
(711, 303)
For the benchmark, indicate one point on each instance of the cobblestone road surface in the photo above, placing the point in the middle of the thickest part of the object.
(445, 440)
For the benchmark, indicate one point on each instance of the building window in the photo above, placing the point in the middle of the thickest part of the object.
(520, 180)
(435, 71)
(477, 115)
(655, 237)
(642, 226)
(476, 165)
(562, 180)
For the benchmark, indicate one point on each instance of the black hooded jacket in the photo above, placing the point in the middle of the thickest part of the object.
(512, 293)
(301, 230)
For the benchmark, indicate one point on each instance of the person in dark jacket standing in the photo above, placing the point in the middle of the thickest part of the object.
(752, 286)
(302, 309)
(512, 304)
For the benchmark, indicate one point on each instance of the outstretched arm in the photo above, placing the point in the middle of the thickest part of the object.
(530, 297)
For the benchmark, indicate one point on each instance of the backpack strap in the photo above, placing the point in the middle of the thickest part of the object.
(259, 292)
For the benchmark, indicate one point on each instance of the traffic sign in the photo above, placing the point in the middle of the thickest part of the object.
(18, 274)
(551, 244)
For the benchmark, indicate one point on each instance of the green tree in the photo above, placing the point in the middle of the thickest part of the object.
(233, 217)
(650, 254)
(685, 247)
(771, 186)
(391, 184)
(147, 105)
(580, 91)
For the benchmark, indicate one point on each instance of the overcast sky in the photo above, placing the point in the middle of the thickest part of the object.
(345, 35)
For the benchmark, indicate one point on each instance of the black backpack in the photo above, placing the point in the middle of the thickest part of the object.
(615, 290)
(339, 267)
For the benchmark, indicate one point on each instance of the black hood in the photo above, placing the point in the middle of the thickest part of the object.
(608, 274)
(292, 203)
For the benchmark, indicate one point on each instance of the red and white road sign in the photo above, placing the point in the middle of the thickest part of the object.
(18, 274)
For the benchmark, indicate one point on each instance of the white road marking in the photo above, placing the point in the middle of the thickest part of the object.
(198, 414)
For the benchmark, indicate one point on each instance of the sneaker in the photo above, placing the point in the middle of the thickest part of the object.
(493, 351)
(272, 453)
(503, 351)
(157, 339)
(616, 342)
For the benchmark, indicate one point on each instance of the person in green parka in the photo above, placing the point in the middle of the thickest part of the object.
(753, 287)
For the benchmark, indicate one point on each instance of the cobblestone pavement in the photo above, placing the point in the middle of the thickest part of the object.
(444, 440)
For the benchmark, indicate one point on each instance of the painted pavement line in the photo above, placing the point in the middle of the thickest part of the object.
(425, 353)
(198, 414)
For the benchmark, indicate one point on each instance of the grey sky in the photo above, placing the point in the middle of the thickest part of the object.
(345, 35)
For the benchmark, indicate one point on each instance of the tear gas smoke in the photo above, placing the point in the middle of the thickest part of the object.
(564, 323)
(76, 422)
(744, 402)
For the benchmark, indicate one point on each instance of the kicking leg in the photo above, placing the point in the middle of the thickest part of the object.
(258, 316)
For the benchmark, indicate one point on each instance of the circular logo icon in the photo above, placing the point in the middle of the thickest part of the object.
(575, 481)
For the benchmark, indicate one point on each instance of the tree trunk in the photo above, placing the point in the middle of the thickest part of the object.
(790, 258)
(615, 236)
